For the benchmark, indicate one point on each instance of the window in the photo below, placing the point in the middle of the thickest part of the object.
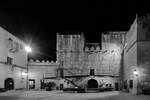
(31, 83)
(110, 85)
(10, 44)
(125, 84)
(61, 73)
(9, 60)
(131, 83)
(92, 72)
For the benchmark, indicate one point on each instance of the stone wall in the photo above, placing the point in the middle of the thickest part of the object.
(13, 59)
(42, 70)
(136, 53)
(78, 58)
(112, 47)
(71, 55)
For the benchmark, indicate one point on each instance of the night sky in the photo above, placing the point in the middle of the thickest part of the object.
(37, 22)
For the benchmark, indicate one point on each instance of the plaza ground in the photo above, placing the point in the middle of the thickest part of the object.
(59, 95)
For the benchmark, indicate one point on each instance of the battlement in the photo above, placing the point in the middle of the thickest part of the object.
(115, 37)
(69, 36)
(70, 42)
(91, 47)
(143, 19)
(42, 62)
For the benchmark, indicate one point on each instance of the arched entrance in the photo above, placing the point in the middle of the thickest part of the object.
(92, 83)
(9, 84)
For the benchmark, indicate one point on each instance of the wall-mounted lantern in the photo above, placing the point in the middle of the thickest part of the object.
(135, 72)
(24, 74)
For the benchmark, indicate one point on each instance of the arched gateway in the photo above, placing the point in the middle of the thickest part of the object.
(9, 84)
(92, 83)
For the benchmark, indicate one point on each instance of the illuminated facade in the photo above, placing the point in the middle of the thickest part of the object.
(85, 64)
(136, 56)
(120, 61)
(41, 72)
(13, 60)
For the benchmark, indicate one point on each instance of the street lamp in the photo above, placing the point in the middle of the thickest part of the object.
(24, 74)
(136, 73)
(28, 50)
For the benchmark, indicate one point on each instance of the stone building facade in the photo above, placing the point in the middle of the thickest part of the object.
(120, 61)
(136, 56)
(13, 60)
(89, 65)
(41, 73)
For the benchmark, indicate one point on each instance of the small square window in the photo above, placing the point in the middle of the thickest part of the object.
(92, 72)
(9, 60)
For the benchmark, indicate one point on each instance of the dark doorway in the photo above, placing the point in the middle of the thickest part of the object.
(131, 84)
(92, 83)
(92, 72)
(42, 84)
(61, 86)
(9, 84)
(31, 83)
(116, 86)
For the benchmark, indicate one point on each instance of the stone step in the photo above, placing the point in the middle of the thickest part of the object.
(92, 90)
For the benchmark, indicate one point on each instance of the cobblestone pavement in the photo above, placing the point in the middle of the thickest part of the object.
(32, 93)
(124, 96)
(59, 95)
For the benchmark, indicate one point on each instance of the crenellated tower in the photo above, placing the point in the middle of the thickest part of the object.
(112, 47)
(70, 53)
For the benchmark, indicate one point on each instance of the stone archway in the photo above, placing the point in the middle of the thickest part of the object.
(9, 84)
(92, 83)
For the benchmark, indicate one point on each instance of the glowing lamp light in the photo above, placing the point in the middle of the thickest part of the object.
(28, 49)
(24, 74)
(135, 72)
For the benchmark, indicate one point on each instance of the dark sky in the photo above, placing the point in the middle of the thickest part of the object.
(38, 21)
